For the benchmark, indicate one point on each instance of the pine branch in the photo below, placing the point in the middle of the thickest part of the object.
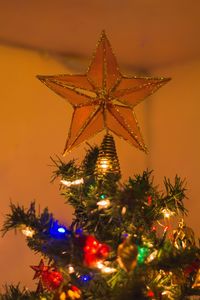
(133, 210)
(175, 194)
(89, 162)
(14, 292)
(56, 248)
(64, 170)
(21, 216)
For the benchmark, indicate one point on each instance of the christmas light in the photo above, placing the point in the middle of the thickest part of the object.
(71, 269)
(99, 265)
(103, 203)
(108, 270)
(28, 232)
(57, 231)
(107, 160)
(123, 211)
(104, 164)
(147, 241)
(150, 294)
(94, 251)
(75, 182)
(167, 213)
(142, 254)
(61, 230)
(125, 235)
(153, 228)
(61, 297)
(152, 256)
(79, 231)
(166, 228)
(105, 269)
(85, 278)
(73, 293)
(168, 293)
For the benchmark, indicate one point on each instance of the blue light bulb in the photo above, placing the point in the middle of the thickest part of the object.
(58, 231)
(61, 229)
(85, 278)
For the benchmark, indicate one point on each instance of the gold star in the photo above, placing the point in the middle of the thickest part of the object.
(103, 98)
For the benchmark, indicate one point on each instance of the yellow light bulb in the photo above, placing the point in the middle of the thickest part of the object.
(62, 296)
(167, 213)
(28, 232)
(71, 269)
(104, 164)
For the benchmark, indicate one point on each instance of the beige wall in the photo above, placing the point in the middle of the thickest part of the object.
(34, 123)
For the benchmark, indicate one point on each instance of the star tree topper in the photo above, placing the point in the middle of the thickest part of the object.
(103, 98)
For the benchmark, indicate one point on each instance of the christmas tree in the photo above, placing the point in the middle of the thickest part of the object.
(118, 245)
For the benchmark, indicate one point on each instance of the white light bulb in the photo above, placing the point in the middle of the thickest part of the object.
(99, 265)
(108, 270)
(168, 293)
(103, 203)
(71, 269)
(152, 256)
(75, 182)
(104, 268)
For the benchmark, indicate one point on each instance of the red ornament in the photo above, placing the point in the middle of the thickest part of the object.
(49, 277)
(52, 279)
(94, 251)
(150, 294)
(149, 199)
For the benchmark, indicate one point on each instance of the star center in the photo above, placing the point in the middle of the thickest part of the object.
(104, 96)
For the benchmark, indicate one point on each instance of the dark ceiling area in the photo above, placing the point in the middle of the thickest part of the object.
(144, 34)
